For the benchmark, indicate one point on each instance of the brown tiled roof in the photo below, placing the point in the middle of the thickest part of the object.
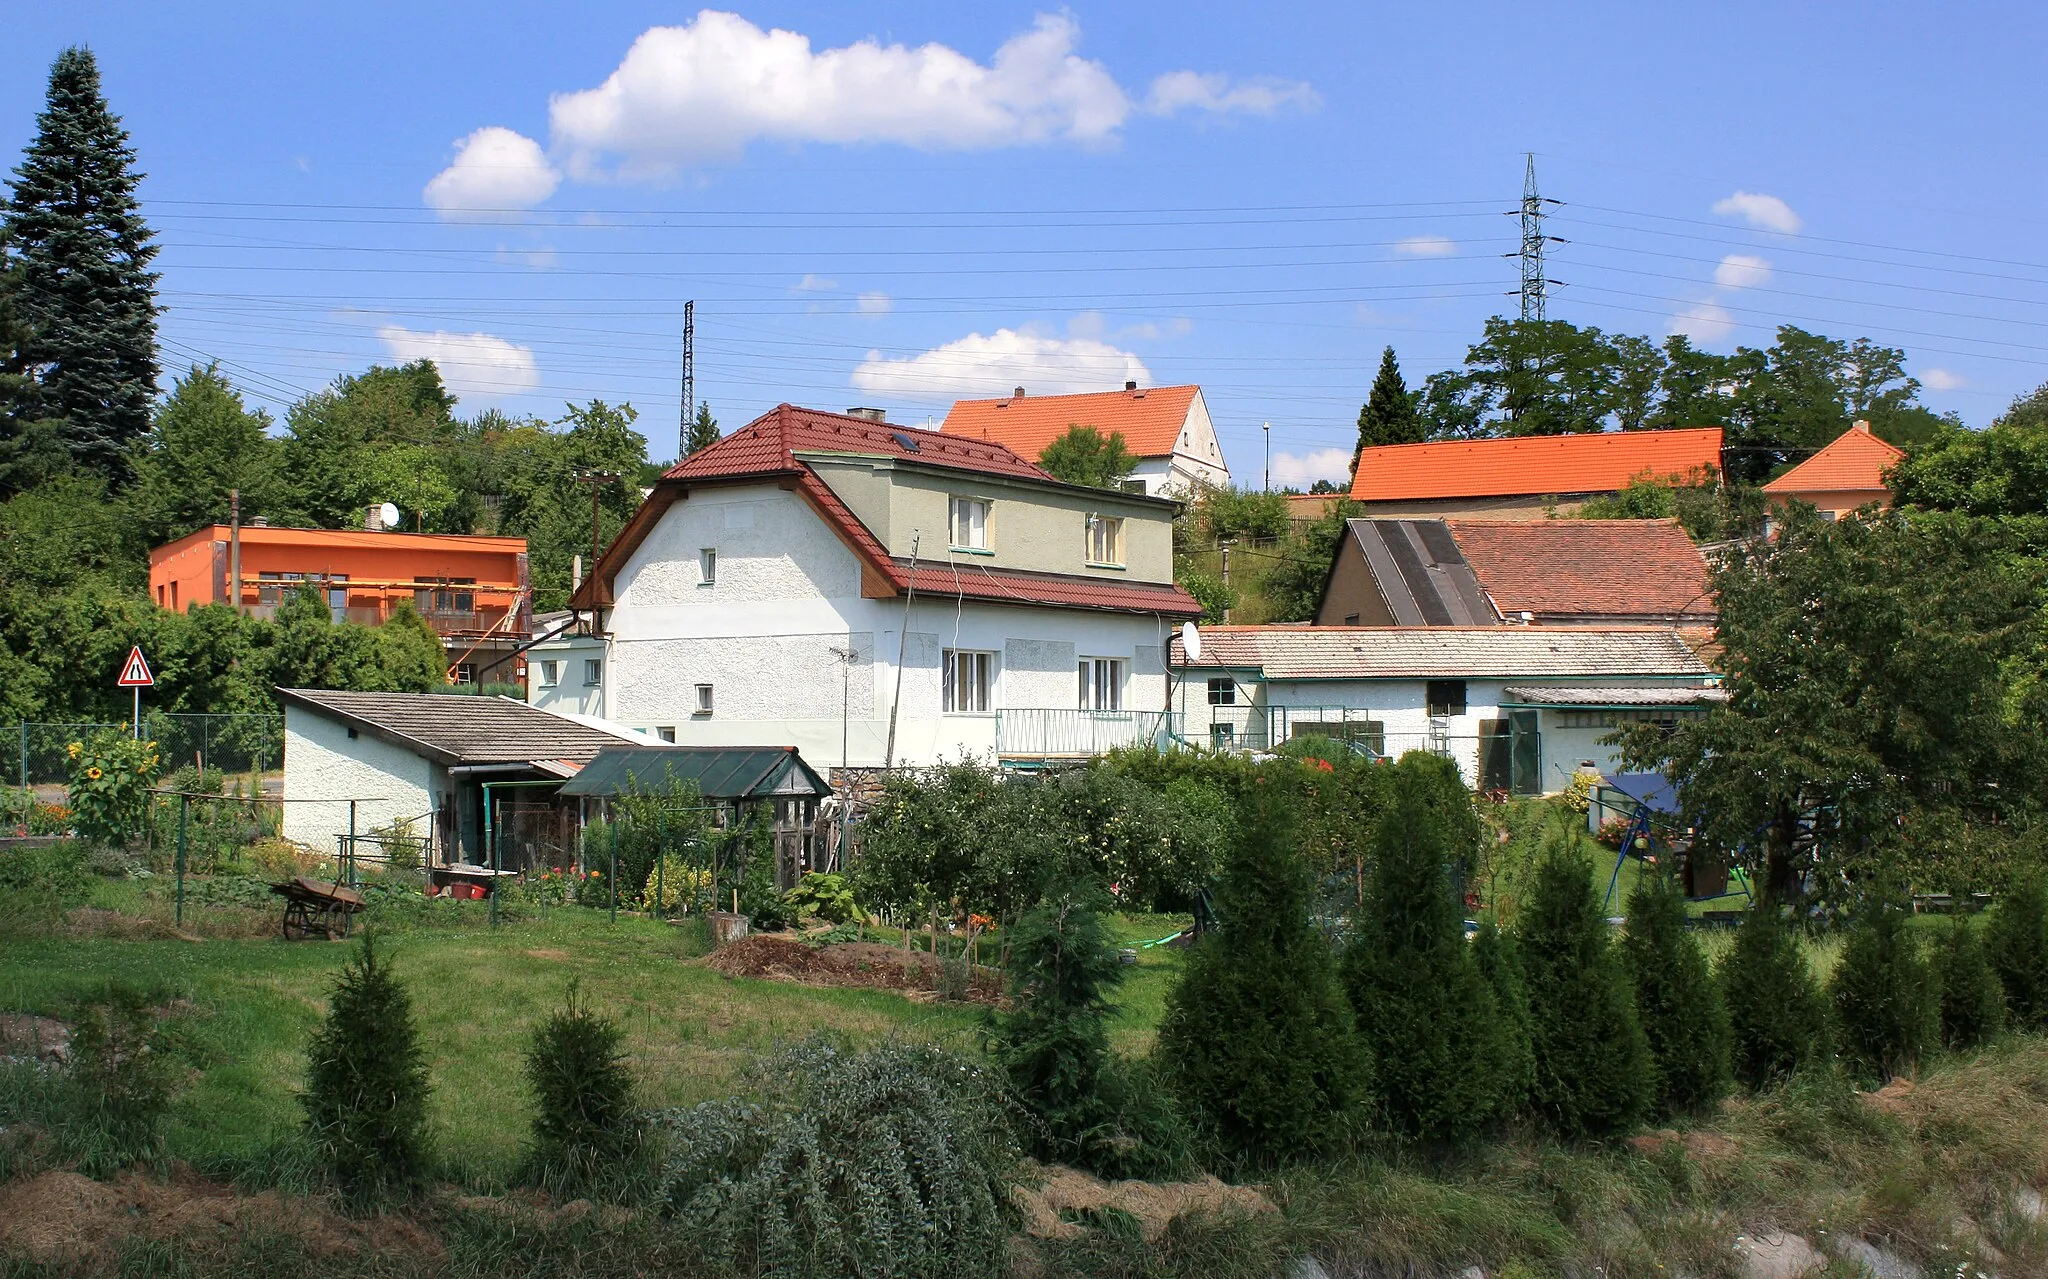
(768, 445)
(1854, 461)
(1448, 652)
(454, 729)
(1150, 418)
(1603, 568)
(1531, 465)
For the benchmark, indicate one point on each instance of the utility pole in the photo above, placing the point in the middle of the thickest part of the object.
(1534, 282)
(235, 548)
(902, 642)
(596, 480)
(689, 379)
(1268, 429)
(1225, 546)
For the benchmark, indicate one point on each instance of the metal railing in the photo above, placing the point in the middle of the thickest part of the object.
(1042, 733)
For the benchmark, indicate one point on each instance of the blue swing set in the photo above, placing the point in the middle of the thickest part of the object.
(1651, 796)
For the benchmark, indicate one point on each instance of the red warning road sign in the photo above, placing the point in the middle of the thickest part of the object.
(135, 672)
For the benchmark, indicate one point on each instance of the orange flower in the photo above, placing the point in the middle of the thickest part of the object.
(93, 773)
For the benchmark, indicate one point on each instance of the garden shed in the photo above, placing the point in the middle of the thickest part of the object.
(771, 783)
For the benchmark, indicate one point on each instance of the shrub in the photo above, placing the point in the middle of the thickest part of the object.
(829, 897)
(55, 875)
(1887, 1007)
(1592, 1062)
(1677, 1000)
(1972, 1002)
(109, 788)
(2016, 943)
(753, 873)
(1777, 1019)
(1426, 1014)
(674, 884)
(1257, 1038)
(118, 1085)
(897, 1161)
(1495, 954)
(366, 1086)
(273, 859)
(585, 1129)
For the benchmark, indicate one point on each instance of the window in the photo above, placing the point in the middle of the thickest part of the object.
(550, 674)
(1446, 697)
(1105, 539)
(1222, 737)
(444, 595)
(703, 699)
(667, 734)
(707, 566)
(337, 598)
(967, 678)
(593, 672)
(969, 520)
(1102, 683)
(273, 588)
(1351, 619)
(1223, 692)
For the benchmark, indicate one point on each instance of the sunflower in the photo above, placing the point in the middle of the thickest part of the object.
(73, 750)
(93, 773)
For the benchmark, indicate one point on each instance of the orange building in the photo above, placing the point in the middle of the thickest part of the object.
(1845, 475)
(473, 591)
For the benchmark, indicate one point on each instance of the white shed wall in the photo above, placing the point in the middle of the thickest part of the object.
(323, 763)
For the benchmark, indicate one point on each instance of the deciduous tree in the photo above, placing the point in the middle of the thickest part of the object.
(1084, 455)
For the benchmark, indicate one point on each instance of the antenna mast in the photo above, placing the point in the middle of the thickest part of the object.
(690, 378)
(1533, 280)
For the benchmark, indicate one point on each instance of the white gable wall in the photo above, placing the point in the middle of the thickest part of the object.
(326, 767)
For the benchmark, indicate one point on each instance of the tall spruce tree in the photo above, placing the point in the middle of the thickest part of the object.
(1778, 1020)
(703, 430)
(1499, 962)
(1676, 999)
(84, 291)
(1389, 415)
(1887, 1002)
(2016, 943)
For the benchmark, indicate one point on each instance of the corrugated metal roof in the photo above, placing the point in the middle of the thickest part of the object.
(1392, 652)
(1421, 574)
(1555, 695)
(720, 772)
(1531, 465)
(1150, 418)
(453, 729)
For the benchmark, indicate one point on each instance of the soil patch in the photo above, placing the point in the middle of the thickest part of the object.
(1050, 1209)
(854, 963)
(1892, 1099)
(26, 1038)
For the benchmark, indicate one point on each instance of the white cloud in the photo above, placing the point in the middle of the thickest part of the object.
(1301, 470)
(814, 284)
(1704, 322)
(1765, 211)
(1942, 380)
(495, 171)
(1178, 91)
(478, 365)
(1007, 358)
(872, 304)
(1427, 246)
(1742, 271)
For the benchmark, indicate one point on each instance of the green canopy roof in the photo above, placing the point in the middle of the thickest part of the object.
(720, 772)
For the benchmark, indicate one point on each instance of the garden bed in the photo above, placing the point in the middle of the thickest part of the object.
(863, 964)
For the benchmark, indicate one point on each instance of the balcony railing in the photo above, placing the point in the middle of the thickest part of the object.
(1046, 734)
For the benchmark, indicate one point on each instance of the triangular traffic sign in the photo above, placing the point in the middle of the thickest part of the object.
(135, 673)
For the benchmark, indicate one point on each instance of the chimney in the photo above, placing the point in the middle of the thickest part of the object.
(1860, 425)
(373, 521)
(1018, 394)
(575, 572)
(1130, 386)
(872, 415)
(258, 521)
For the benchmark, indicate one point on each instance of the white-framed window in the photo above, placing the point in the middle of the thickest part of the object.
(968, 517)
(550, 673)
(593, 671)
(707, 566)
(969, 679)
(1105, 539)
(1102, 683)
(704, 699)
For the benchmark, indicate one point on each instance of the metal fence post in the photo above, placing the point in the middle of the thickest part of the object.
(614, 842)
(491, 843)
(660, 865)
(351, 843)
(184, 807)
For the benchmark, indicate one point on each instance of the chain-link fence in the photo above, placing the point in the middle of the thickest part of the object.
(227, 743)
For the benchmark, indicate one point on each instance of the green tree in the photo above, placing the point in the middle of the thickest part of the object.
(703, 430)
(85, 294)
(1777, 1017)
(204, 445)
(1972, 1001)
(337, 439)
(1677, 1001)
(1257, 1036)
(1426, 1013)
(1998, 472)
(1085, 456)
(1388, 415)
(1294, 586)
(547, 500)
(2016, 943)
(1887, 1005)
(410, 656)
(367, 1083)
(1499, 962)
(1593, 1071)
(585, 1126)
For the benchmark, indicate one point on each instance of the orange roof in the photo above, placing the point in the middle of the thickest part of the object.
(1608, 568)
(1531, 465)
(1150, 418)
(1854, 462)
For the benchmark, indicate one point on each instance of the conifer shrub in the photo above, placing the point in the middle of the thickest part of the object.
(366, 1083)
(2016, 943)
(1426, 1014)
(1257, 1039)
(838, 1165)
(1972, 1001)
(1592, 1063)
(1777, 1018)
(118, 1084)
(1494, 951)
(1887, 1007)
(1677, 1000)
(586, 1131)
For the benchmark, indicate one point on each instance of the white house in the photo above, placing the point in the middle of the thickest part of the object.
(1520, 708)
(1166, 428)
(870, 593)
(566, 671)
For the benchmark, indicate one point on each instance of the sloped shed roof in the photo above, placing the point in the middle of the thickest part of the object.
(1613, 568)
(720, 772)
(1421, 573)
(1448, 652)
(450, 729)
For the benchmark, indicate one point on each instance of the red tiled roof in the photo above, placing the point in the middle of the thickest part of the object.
(770, 446)
(1150, 418)
(1854, 461)
(1531, 465)
(1607, 568)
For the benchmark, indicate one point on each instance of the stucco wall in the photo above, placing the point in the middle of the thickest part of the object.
(323, 763)
(569, 693)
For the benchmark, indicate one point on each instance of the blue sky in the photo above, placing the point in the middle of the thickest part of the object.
(894, 204)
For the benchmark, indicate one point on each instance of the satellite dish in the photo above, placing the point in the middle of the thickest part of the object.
(1191, 641)
(388, 513)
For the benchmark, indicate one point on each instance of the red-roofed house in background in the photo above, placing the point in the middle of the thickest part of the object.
(1525, 477)
(1166, 428)
(831, 582)
(1845, 475)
